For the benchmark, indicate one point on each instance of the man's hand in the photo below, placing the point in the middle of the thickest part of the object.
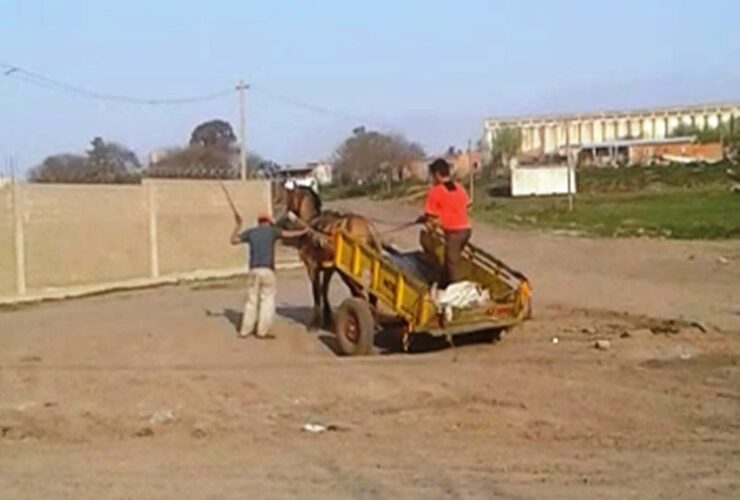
(235, 239)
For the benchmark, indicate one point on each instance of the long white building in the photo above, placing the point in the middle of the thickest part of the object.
(548, 134)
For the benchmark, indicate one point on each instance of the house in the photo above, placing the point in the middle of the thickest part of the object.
(648, 151)
(462, 162)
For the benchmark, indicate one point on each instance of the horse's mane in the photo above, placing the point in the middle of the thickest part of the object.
(316, 199)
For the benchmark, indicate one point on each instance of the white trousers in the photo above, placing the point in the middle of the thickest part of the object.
(259, 308)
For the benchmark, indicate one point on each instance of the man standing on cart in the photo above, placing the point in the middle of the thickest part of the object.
(447, 205)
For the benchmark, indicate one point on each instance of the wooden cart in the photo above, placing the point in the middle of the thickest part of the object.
(403, 281)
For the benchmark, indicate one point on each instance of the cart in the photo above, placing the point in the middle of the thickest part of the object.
(404, 283)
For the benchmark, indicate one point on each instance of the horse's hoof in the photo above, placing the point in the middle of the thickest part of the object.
(314, 324)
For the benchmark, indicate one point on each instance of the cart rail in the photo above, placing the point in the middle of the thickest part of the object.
(409, 297)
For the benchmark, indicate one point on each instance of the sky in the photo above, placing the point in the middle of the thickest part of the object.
(432, 70)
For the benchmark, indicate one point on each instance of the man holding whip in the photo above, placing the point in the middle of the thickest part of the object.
(259, 308)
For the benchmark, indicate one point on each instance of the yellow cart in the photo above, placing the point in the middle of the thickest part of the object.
(403, 283)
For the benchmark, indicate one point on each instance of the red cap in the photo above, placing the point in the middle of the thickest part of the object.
(264, 217)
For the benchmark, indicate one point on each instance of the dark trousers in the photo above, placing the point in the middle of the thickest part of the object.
(455, 241)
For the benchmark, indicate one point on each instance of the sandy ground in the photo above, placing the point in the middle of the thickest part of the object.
(149, 394)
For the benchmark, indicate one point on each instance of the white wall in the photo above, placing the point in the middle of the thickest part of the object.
(538, 181)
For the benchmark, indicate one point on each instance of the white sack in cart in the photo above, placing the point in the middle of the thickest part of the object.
(460, 295)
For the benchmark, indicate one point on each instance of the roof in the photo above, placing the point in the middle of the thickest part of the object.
(624, 113)
(637, 142)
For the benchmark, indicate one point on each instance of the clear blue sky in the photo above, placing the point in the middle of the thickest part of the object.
(430, 69)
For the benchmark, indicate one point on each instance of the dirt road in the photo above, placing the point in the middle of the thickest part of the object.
(149, 394)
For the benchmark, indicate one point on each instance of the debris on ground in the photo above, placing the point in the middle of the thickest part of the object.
(555, 340)
(723, 260)
(602, 345)
(31, 359)
(639, 333)
(198, 433)
(703, 327)
(144, 432)
(589, 330)
(317, 428)
(162, 417)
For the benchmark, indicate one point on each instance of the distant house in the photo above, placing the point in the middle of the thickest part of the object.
(321, 172)
(648, 151)
(462, 163)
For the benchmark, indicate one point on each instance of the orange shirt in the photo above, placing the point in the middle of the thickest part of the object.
(450, 206)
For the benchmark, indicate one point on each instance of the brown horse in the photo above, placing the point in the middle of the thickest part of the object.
(316, 249)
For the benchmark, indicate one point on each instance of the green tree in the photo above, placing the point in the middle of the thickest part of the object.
(507, 143)
(105, 162)
(368, 155)
(213, 133)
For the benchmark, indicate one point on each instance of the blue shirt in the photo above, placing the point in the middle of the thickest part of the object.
(261, 241)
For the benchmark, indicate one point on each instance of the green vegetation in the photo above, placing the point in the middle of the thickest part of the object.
(682, 201)
(682, 215)
(653, 179)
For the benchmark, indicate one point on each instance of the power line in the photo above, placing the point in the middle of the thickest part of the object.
(39, 80)
(19, 73)
(297, 103)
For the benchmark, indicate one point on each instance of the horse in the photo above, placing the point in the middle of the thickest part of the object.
(316, 248)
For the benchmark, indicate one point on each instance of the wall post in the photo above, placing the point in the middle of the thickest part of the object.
(20, 239)
(153, 240)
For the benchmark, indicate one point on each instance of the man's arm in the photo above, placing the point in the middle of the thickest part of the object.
(297, 233)
(235, 233)
(431, 213)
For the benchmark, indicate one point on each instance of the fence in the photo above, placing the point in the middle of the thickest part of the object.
(57, 240)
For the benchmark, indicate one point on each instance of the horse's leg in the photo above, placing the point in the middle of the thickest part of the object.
(326, 317)
(354, 288)
(314, 276)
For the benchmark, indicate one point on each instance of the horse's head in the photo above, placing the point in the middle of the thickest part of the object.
(303, 202)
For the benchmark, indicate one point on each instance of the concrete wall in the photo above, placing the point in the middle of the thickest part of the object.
(82, 235)
(194, 222)
(539, 181)
(645, 153)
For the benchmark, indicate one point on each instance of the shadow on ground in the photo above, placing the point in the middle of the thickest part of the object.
(387, 339)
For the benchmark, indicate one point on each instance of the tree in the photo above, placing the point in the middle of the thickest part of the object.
(105, 162)
(214, 133)
(211, 154)
(111, 157)
(366, 155)
(506, 144)
(198, 162)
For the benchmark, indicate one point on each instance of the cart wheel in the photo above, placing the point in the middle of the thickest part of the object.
(355, 327)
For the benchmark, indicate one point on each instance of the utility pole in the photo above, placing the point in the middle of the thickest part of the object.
(242, 130)
(472, 168)
(570, 166)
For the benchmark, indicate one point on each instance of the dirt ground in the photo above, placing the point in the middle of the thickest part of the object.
(149, 394)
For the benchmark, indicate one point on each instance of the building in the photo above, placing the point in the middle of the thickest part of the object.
(462, 162)
(319, 171)
(648, 151)
(544, 135)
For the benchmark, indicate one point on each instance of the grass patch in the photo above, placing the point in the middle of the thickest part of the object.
(695, 214)
(633, 179)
